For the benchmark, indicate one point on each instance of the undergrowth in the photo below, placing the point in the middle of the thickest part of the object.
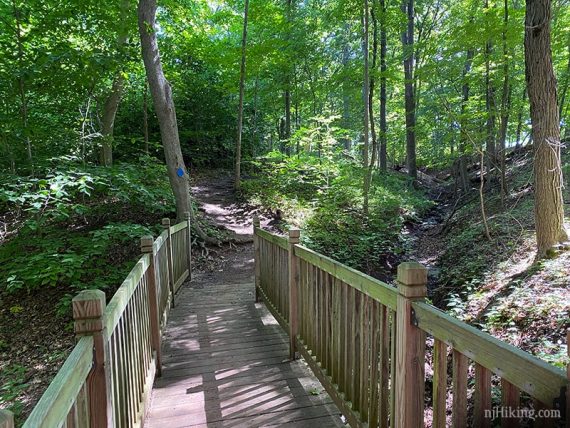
(324, 197)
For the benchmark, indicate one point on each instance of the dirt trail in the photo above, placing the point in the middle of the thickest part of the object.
(230, 263)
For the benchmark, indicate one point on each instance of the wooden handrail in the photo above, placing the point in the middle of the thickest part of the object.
(59, 398)
(372, 287)
(341, 318)
(539, 379)
(115, 364)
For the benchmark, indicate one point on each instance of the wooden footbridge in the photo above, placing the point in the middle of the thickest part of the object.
(170, 352)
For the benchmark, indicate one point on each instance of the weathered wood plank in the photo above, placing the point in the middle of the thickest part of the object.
(482, 396)
(372, 287)
(60, 395)
(178, 227)
(280, 241)
(459, 407)
(537, 378)
(439, 383)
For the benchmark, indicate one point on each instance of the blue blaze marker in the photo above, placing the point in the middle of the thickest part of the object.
(180, 172)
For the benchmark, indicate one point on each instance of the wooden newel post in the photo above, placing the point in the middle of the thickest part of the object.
(166, 226)
(6, 419)
(153, 310)
(189, 239)
(294, 235)
(88, 309)
(410, 348)
(256, 225)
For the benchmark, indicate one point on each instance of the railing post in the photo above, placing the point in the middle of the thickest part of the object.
(88, 309)
(6, 419)
(410, 348)
(166, 226)
(294, 235)
(256, 224)
(153, 310)
(189, 239)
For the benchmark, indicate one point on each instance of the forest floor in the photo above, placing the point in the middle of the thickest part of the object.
(496, 284)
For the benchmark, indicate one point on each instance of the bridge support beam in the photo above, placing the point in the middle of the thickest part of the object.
(88, 313)
(410, 348)
(294, 237)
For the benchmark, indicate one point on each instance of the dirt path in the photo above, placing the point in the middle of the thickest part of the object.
(231, 262)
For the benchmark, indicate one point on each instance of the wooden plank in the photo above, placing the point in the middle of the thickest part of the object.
(537, 378)
(459, 407)
(280, 241)
(178, 227)
(372, 287)
(510, 399)
(374, 363)
(55, 403)
(384, 368)
(159, 242)
(6, 419)
(439, 384)
(352, 416)
(181, 280)
(482, 396)
(393, 373)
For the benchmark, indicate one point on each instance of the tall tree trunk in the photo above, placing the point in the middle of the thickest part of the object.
(410, 103)
(345, 91)
(22, 85)
(287, 95)
(491, 112)
(541, 82)
(108, 120)
(164, 106)
(505, 105)
(462, 173)
(145, 117)
(365, 94)
(113, 100)
(383, 97)
(372, 84)
(237, 181)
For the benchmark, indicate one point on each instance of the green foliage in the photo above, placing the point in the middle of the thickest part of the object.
(324, 197)
(76, 221)
(12, 384)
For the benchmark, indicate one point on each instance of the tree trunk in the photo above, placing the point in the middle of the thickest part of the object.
(383, 97)
(113, 100)
(372, 84)
(345, 92)
(541, 83)
(22, 86)
(505, 105)
(410, 103)
(462, 173)
(108, 120)
(145, 117)
(365, 94)
(237, 181)
(164, 106)
(491, 110)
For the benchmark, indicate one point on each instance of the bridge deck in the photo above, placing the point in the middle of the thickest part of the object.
(225, 364)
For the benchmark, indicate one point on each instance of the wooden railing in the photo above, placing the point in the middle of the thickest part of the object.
(366, 342)
(107, 378)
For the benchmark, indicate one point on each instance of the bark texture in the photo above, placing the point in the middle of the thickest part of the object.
(541, 83)
(237, 179)
(108, 120)
(164, 106)
(410, 102)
